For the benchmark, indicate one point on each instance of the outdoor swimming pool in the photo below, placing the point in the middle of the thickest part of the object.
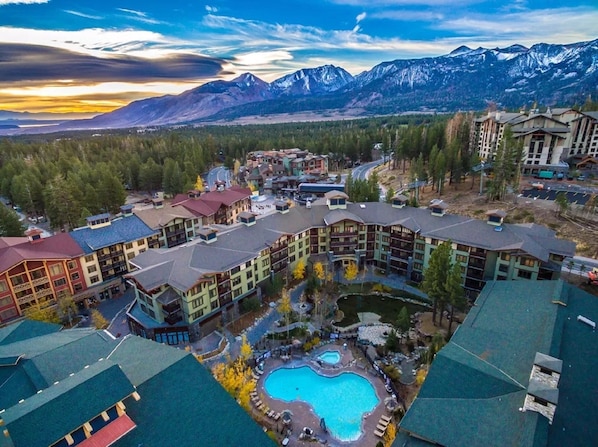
(341, 400)
(330, 357)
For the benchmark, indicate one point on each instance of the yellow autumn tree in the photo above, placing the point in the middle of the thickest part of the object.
(390, 434)
(319, 271)
(199, 184)
(351, 271)
(285, 307)
(246, 351)
(98, 320)
(420, 376)
(299, 270)
(46, 314)
(235, 377)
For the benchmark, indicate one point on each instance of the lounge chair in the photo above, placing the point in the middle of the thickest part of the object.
(382, 428)
(380, 434)
(277, 416)
(383, 422)
(386, 418)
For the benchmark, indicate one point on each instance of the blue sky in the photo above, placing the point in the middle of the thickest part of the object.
(65, 55)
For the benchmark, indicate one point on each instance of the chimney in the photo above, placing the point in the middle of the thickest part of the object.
(158, 203)
(193, 194)
(543, 392)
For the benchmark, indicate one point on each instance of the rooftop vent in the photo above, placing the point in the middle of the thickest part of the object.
(207, 235)
(158, 203)
(34, 235)
(281, 206)
(126, 210)
(542, 392)
(438, 207)
(247, 218)
(496, 217)
(399, 201)
(98, 221)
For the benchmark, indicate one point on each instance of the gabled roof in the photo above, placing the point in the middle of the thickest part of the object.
(16, 250)
(208, 203)
(157, 218)
(65, 406)
(478, 381)
(183, 266)
(180, 402)
(120, 231)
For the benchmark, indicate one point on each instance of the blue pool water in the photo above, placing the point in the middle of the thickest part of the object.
(330, 357)
(341, 400)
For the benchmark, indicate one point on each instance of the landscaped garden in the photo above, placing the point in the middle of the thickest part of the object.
(387, 303)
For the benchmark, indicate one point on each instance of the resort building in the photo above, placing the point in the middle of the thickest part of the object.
(83, 387)
(295, 162)
(36, 271)
(175, 225)
(109, 245)
(548, 139)
(519, 371)
(584, 136)
(183, 293)
(216, 207)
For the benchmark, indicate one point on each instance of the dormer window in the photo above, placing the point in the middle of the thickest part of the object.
(399, 201)
(496, 217)
(99, 220)
(247, 218)
(207, 235)
(438, 207)
(281, 207)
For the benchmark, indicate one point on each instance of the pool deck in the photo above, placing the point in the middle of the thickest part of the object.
(303, 416)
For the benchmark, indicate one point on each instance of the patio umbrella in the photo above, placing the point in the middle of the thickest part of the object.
(286, 416)
(391, 404)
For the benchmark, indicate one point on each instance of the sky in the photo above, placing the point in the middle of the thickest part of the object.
(87, 56)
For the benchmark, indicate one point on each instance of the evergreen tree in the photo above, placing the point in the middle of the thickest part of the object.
(10, 226)
(435, 277)
(456, 292)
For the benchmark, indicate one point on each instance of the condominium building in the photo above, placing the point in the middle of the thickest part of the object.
(293, 162)
(109, 244)
(548, 139)
(185, 292)
(36, 271)
(174, 225)
(216, 207)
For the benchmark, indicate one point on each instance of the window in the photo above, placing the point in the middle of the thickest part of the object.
(71, 265)
(420, 246)
(94, 279)
(236, 281)
(140, 242)
(249, 274)
(505, 256)
(75, 276)
(60, 282)
(78, 287)
(196, 315)
(91, 269)
(197, 302)
(540, 401)
(250, 285)
(504, 268)
(56, 269)
(248, 264)
(16, 280)
(524, 274)
(89, 258)
(235, 270)
(9, 313)
(5, 301)
(461, 258)
(528, 262)
(214, 304)
(265, 262)
(237, 292)
(129, 245)
(291, 249)
(3, 286)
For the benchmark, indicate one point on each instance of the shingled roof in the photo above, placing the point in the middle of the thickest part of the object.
(83, 372)
(478, 382)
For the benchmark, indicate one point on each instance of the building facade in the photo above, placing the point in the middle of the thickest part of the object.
(186, 292)
(37, 271)
(222, 206)
(548, 139)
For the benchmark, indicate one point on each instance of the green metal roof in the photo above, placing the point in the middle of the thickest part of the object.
(184, 406)
(45, 417)
(24, 330)
(478, 382)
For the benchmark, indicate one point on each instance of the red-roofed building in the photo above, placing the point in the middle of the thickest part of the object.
(216, 207)
(37, 271)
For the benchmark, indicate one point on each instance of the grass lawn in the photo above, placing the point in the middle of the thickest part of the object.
(387, 308)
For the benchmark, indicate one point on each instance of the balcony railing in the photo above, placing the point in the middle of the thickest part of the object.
(174, 318)
(343, 243)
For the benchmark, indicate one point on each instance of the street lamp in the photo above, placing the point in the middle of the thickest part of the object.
(481, 177)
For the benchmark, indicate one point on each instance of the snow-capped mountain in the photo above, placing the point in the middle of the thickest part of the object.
(466, 78)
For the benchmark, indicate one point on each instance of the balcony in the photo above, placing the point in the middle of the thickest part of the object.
(343, 252)
(277, 248)
(40, 281)
(226, 298)
(172, 307)
(476, 264)
(352, 243)
(21, 287)
(174, 318)
(175, 233)
(25, 299)
(344, 234)
(44, 292)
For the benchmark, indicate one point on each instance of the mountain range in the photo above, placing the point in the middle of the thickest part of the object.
(465, 79)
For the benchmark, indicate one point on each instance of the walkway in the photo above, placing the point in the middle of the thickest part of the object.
(392, 280)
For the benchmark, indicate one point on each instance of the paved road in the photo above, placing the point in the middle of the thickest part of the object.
(219, 173)
(579, 261)
(362, 172)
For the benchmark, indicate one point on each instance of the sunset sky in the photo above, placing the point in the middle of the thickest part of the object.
(95, 56)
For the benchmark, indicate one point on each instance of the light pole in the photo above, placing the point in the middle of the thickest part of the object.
(481, 177)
